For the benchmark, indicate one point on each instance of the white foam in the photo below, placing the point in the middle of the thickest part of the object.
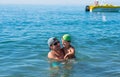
(104, 18)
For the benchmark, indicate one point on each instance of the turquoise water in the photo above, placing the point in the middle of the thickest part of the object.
(24, 31)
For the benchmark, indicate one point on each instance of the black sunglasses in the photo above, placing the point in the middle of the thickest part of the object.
(56, 43)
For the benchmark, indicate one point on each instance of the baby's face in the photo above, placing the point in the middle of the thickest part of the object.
(65, 43)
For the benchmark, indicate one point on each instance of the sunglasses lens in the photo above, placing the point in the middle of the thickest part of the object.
(56, 43)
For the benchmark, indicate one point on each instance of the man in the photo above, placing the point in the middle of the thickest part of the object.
(56, 53)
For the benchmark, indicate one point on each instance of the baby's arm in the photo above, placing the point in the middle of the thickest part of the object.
(71, 52)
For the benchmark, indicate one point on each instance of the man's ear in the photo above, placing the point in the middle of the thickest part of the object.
(50, 47)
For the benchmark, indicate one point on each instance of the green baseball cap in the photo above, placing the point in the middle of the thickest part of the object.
(66, 37)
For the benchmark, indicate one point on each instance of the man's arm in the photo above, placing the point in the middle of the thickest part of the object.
(53, 57)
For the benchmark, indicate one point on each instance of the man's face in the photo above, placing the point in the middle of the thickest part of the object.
(56, 46)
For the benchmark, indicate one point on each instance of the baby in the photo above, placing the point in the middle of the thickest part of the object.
(67, 47)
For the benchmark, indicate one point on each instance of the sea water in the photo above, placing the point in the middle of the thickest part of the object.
(25, 29)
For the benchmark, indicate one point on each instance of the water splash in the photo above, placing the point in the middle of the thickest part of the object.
(104, 18)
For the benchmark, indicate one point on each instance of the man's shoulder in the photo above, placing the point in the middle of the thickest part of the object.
(50, 54)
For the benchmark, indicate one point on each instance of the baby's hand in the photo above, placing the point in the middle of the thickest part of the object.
(66, 57)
